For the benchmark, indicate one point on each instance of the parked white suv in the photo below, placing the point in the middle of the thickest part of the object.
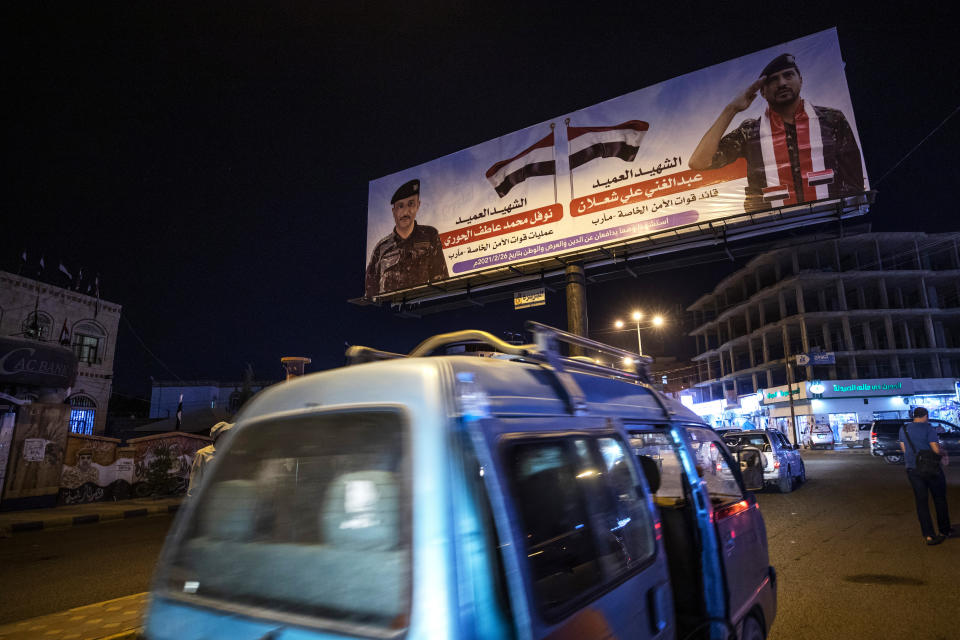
(782, 465)
(821, 437)
(855, 434)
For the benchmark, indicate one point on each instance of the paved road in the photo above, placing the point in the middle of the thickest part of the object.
(53, 570)
(846, 545)
(849, 556)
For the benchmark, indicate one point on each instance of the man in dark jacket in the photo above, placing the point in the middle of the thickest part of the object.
(917, 436)
(795, 152)
(411, 254)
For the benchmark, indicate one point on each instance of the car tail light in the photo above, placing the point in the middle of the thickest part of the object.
(776, 464)
(731, 510)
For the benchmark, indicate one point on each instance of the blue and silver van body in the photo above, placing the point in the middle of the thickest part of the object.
(455, 497)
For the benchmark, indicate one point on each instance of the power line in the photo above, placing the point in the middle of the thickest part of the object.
(147, 349)
(909, 153)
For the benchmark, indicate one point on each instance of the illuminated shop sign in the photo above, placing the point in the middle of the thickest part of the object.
(894, 386)
(772, 395)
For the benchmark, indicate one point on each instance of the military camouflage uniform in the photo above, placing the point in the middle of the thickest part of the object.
(840, 153)
(398, 263)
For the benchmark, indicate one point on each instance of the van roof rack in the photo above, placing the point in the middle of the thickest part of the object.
(544, 350)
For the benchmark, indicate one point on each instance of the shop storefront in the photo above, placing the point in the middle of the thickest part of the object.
(829, 404)
(34, 379)
(833, 403)
(746, 413)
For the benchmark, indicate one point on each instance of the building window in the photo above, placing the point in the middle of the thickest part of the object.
(37, 326)
(82, 411)
(88, 342)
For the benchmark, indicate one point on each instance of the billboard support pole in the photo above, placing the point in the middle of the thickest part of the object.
(576, 304)
(787, 357)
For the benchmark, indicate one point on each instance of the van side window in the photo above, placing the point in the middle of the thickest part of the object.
(657, 446)
(714, 466)
(584, 523)
(627, 517)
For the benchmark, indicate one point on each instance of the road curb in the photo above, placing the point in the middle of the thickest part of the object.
(59, 522)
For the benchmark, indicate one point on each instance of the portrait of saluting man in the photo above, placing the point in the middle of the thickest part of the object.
(795, 152)
(412, 254)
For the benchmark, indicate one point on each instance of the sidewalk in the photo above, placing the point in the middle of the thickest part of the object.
(109, 620)
(13, 522)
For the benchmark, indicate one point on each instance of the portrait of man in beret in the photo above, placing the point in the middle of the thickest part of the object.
(411, 254)
(795, 152)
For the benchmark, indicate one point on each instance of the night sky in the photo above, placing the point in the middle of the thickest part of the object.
(211, 162)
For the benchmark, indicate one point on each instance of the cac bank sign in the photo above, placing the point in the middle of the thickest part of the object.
(35, 364)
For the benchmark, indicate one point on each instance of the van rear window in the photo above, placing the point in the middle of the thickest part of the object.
(308, 516)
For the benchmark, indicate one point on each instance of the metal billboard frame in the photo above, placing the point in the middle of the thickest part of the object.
(619, 254)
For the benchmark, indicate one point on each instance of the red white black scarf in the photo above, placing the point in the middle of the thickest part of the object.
(776, 158)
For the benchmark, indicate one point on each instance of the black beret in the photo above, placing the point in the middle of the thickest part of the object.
(781, 62)
(406, 190)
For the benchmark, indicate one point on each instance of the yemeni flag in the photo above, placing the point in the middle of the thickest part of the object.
(180, 414)
(65, 334)
(535, 160)
(619, 141)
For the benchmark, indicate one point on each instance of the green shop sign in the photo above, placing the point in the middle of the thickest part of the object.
(850, 388)
(773, 395)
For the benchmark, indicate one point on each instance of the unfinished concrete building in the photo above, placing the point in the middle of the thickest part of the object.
(886, 304)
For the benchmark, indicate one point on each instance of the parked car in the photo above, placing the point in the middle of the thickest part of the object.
(855, 434)
(885, 438)
(782, 464)
(725, 430)
(467, 497)
(821, 437)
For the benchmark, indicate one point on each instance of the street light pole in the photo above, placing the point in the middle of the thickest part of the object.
(637, 316)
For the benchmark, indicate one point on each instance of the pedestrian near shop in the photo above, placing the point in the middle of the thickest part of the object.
(922, 457)
(203, 457)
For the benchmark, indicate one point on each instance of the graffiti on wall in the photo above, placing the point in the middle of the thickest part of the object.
(162, 463)
(97, 468)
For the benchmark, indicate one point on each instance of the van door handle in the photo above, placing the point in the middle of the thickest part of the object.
(658, 621)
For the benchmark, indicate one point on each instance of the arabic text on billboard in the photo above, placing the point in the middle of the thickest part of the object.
(654, 159)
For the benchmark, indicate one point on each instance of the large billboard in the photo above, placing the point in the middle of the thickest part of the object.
(768, 130)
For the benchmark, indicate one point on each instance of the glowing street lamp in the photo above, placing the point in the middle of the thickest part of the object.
(637, 316)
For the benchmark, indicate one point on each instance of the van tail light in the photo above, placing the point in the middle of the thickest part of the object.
(719, 467)
(776, 464)
(730, 510)
(658, 527)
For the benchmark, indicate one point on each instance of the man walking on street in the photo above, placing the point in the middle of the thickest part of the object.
(917, 436)
(203, 457)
